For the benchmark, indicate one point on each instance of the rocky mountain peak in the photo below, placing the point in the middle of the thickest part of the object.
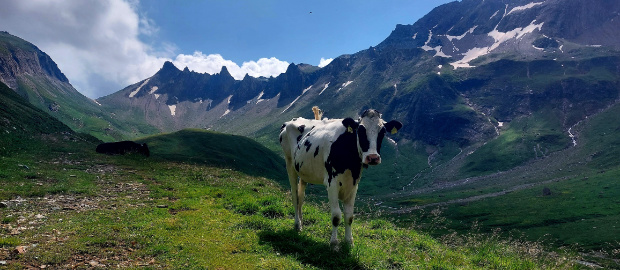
(463, 31)
(22, 57)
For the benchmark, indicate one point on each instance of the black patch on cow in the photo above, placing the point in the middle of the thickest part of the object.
(380, 140)
(363, 138)
(299, 138)
(393, 125)
(124, 147)
(298, 166)
(301, 128)
(282, 127)
(280, 138)
(307, 144)
(350, 123)
(316, 151)
(344, 155)
(335, 221)
(350, 221)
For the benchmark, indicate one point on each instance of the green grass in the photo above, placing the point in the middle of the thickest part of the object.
(217, 149)
(524, 139)
(191, 216)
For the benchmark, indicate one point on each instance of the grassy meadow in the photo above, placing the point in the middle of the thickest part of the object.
(73, 208)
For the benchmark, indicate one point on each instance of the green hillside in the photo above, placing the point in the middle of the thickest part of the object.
(86, 210)
(582, 210)
(217, 149)
(24, 127)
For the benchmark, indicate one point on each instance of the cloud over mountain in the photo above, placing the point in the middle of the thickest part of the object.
(98, 44)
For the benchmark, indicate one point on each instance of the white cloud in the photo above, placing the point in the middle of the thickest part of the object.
(97, 43)
(213, 63)
(325, 62)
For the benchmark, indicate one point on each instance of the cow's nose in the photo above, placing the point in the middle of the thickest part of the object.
(373, 159)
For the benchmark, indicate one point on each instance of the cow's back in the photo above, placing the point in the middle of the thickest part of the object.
(306, 145)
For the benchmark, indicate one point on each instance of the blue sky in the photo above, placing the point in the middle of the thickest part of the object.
(104, 46)
(292, 31)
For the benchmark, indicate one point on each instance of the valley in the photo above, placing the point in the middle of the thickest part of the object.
(510, 143)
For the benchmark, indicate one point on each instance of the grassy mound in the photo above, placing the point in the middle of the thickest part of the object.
(217, 149)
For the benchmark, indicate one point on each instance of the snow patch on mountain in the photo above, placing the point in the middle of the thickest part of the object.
(132, 94)
(325, 87)
(471, 30)
(344, 85)
(173, 109)
(520, 8)
(259, 98)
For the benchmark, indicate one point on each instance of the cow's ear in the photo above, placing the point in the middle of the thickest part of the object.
(350, 124)
(393, 126)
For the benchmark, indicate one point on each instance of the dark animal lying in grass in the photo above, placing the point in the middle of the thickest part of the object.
(124, 147)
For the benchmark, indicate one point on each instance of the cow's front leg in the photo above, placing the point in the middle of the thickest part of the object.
(332, 194)
(348, 204)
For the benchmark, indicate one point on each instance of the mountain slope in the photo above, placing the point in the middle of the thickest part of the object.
(524, 64)
(33, 75)
(25, 127)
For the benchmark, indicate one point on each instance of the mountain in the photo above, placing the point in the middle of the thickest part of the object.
(32, 74)
(457, 78)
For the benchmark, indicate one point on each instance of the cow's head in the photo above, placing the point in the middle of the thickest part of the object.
(370, 132)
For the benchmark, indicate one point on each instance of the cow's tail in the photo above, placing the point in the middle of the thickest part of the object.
(318, 113)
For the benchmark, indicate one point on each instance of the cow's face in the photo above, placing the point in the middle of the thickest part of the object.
(370, 134)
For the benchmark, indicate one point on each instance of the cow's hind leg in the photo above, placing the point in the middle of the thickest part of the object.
(292, 178)
(301, 193)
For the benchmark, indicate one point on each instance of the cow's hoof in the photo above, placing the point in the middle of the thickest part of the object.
(335, 245)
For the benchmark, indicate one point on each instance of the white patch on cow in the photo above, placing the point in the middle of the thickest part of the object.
(132, 94)
(520, 8)
(153, 89)
(173, 109)
(156, 96)
(471, 30)
(325, 87)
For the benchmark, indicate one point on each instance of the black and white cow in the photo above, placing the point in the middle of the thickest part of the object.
(332, 153)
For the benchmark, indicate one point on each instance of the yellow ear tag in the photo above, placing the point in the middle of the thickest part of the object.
(394, 130)
(349, 129)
